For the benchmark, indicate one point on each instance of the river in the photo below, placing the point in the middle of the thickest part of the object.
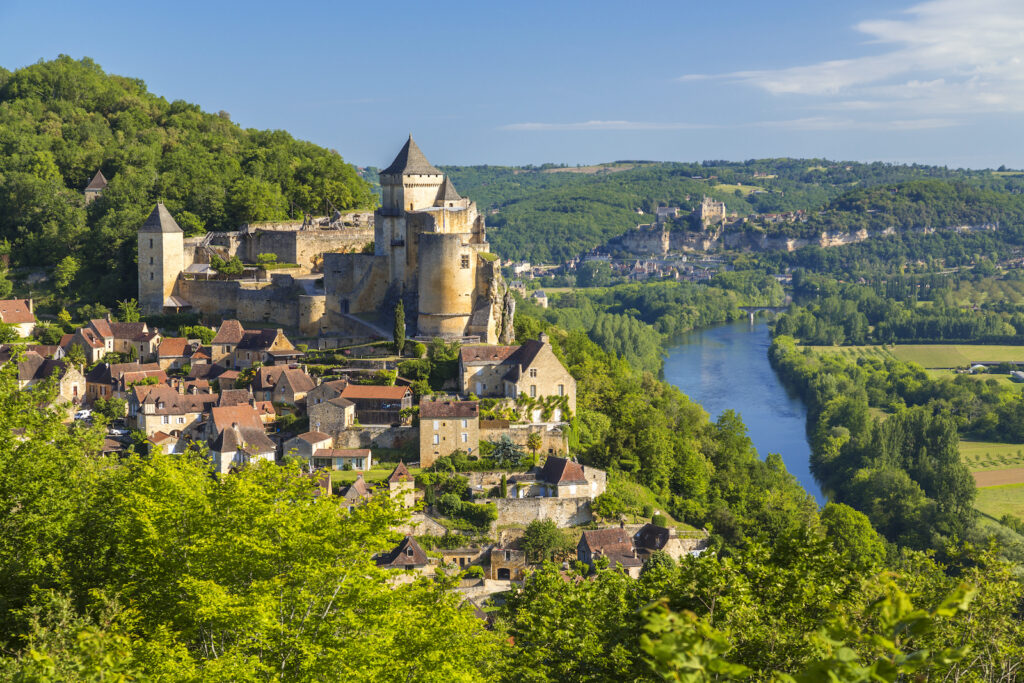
(727, 367)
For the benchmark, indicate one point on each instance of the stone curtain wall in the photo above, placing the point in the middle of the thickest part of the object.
(563, 511)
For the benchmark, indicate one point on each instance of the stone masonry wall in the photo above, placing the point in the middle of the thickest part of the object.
(564, 511)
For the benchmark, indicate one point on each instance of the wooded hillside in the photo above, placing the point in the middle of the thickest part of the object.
(62, 120)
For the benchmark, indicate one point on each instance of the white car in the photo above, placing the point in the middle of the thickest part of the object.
(83, 414)
(118, 432)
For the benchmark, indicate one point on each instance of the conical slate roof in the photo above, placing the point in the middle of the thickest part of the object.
(411, 161)
(98, 182)
(447, 193)
(160, 221)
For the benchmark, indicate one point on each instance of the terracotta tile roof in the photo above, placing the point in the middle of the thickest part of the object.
(342, 453)
(400, 474)
(560, 471)
(230, 332)
(612, 541)
(357, 490)
(172, 347)
(340, 402)
(173, 402)
(246, 439)
(408, 553)
(485, 353)
(313, 437)
(34, 367)
(223, 417)
(374, 392)
(128, 330)
(15, 311)
(161, 437)
(102, 327)
(448, 409)
(269, 377)
(234, 397)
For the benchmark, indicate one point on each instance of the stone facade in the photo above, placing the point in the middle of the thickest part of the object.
(563, 511)
(447, 426)
(508, 371)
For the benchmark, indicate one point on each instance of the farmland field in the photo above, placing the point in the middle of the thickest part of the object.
(997, 501)
(930, 355)
(988, 290)
(987, 455)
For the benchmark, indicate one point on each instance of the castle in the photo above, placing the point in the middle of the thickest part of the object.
(429, 250)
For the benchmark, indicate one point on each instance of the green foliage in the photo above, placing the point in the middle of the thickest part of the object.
(266, 259)
(8, 333)
(543, 540)
(110, 408)
(399, 328)
(128, 311)
(48, 333)
(233, 266)
(75, 355)
(608, 507)
(201, 332)
(65, 272)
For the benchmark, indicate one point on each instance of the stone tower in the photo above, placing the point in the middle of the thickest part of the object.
(410, 183)
(95, 187)
(161, 260)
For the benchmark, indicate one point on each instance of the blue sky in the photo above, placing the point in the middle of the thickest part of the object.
(522, 82)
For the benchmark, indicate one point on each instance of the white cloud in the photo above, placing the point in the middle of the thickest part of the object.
(938, 56)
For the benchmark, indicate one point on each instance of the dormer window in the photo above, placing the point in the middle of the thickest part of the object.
(408, 551)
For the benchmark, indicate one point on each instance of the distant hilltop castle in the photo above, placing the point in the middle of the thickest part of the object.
(430, 251)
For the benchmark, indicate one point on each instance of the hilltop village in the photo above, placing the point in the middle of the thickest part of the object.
(309, 377)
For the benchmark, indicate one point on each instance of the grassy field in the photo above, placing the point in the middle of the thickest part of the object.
(931, 355)
(985, 455)
(378, 473)
(1003, 380)
(745, 189)
(997, 501)
(969, 293)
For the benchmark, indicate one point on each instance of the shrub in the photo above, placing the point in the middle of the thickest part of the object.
(659, 520)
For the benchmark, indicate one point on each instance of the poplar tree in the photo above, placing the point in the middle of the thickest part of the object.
(399, 332)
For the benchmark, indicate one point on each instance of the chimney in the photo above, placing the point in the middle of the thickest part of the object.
(543, 338)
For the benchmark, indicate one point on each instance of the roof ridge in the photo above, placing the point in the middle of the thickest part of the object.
(411, 160)
(160, 220)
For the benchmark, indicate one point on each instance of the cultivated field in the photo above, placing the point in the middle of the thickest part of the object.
(987, 290)
(986, 455)
(744, 189)
(997, 501)
(930, 355)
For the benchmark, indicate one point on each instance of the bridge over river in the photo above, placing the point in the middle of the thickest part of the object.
(754, 310)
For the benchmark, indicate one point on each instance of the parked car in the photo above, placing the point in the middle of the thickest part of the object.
(118, 432)
(83, 414)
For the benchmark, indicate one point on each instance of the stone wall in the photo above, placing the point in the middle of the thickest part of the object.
(380, 436)
(304, 247)
(355, 283)
(563, 511)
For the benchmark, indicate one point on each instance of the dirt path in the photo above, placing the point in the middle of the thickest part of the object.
(1013, 475)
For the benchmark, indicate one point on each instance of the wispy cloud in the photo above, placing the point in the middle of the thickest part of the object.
(942, 56)
(607, 125)
(809, 123)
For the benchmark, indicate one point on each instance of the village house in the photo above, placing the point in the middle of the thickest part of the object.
(101, 336)
(33, 369)
(20, 314)
(531, 369)
(406, 555)
(651, 538)
(174, 353)
(447, 426)
(342, 459)
(615, 544)
(235, 436)
(328, 412)
(235, 347)
(95, 187)
(402, 486)
(8, 351)
(281, 384)
(559, 478)
(376, 404)
(114, 380)
(158, 407)
(304, 445)
(166, 442)
(355, 493)
(507, 564)
(540, 298)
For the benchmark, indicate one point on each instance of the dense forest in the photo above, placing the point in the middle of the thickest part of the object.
(63, 120)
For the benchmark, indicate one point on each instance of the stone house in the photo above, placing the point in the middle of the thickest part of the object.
(651, 538)
(447, 426)
(101, 336)
(614, 544)
(166, 442)
(18, 312)
(463, 557)
(328, 412)
(531, 369)
(567, 478)
(235, 347)
(506, 564)
(95, 187)
(281, 384)
(113, 380)
(337, 458)
(235, 436)
(304, 445)
(355, 493)
(159, 408)
(406, 555)
(540, 298)
(376, 404)
(33, 369)
(402, 486)
(174, 353)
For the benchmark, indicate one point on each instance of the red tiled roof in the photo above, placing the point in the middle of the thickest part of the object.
(562, 471)
(230, 332)
(15, 311)
(342, 453)
(313, 437)
(102, 327)
(172, 347)
(451, 409)
(372, 391)
(407, 553)
(400, 474)
(242, 415)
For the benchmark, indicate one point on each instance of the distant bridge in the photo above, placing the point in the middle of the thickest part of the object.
(754, 310)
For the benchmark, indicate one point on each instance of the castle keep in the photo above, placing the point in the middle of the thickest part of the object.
(430, 251)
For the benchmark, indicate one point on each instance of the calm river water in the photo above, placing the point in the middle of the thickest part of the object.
(727, 367)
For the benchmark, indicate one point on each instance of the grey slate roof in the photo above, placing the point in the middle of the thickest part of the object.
(160, 221)
(411, 160)
(447, 193)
